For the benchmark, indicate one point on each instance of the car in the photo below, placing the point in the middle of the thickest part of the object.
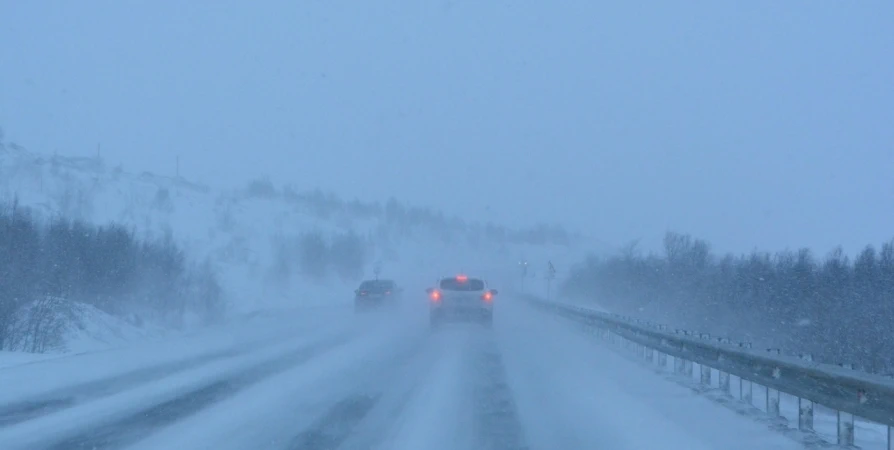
(374, 294)
(462, 298)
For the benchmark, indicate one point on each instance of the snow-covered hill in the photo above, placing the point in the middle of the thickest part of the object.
(243, 232)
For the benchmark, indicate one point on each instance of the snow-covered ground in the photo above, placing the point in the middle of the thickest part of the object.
(325, 378)
(18, 358)
(868, 435)
(240, 230)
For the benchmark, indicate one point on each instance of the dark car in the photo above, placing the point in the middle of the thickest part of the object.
(373, 294)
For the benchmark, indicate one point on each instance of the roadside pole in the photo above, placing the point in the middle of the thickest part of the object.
(550, 275)
(377, 269)
(523, 264)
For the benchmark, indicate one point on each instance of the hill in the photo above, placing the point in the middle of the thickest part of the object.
(278, 246)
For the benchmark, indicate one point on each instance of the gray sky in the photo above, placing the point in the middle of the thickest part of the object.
(761, 123)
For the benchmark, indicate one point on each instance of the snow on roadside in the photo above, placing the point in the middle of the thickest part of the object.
(573, 392)
(11, 359)
(56, 325)
(92, 329)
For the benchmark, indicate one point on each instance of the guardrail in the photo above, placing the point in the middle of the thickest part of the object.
(850, 393)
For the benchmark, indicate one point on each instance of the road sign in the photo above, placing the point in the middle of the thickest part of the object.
(377, 269)
(550, 274)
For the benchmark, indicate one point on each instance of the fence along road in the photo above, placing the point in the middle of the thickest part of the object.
(850, 393)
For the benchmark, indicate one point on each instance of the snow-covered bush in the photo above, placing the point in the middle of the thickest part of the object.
(103, 266)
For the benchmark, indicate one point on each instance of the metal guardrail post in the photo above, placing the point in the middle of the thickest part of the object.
(745, 394)
(772, 402)
(805, 414)
(812, 383)
(706, 375)
(845, 429)
(724, 382)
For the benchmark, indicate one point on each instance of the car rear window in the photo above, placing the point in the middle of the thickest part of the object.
(377, 285)
(470, 284)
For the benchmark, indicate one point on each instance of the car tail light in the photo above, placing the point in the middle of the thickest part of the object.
(387, 292)
(436, 296)
(362, 292)
(487, 296)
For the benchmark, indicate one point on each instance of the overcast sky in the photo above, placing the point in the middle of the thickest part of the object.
(763, 124)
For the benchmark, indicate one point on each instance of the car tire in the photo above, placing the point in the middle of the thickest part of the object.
(488, 320)
(434, 320)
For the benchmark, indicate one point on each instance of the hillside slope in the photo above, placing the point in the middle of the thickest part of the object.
(252, 236)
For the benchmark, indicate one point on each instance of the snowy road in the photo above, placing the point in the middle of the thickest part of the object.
(327, 379)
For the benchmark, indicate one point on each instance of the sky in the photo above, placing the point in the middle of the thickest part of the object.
(759, 124)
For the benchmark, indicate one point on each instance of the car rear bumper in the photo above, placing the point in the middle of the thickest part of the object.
(461, 310)
(371, 301)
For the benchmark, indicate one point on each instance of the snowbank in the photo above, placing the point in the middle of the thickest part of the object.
(55, 325)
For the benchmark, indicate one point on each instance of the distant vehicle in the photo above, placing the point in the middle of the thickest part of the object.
(462, 298)
(374, 294)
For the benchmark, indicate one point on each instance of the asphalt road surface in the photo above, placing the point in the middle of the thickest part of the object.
(329, 379)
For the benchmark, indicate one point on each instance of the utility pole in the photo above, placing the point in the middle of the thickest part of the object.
(550, 275)
(523, 264)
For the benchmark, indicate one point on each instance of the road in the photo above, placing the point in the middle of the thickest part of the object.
(327, 379)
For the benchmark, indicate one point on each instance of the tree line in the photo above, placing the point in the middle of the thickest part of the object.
(405, 218)
(837, 309)
(313, 256)
(46, 264)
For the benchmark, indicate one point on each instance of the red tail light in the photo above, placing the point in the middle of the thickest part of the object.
(487, 296)
(435, 296)
(362, 292)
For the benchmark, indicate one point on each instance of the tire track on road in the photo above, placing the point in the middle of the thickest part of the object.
(61, 398)
(497, 422)
(67, 397)
(57, 399)
(484, 415)
(336, 425)
(355, 421)
(124, 431)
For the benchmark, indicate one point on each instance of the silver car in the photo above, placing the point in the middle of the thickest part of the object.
(461, 298)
